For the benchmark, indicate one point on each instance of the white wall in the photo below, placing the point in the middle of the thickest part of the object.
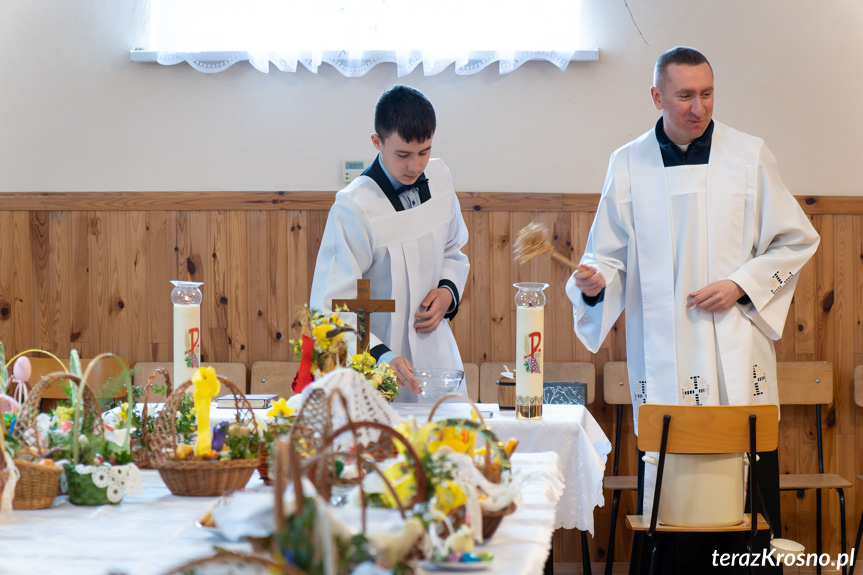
(76, 115)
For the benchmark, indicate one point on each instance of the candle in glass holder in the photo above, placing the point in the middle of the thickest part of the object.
(529, 345)
(186, 298)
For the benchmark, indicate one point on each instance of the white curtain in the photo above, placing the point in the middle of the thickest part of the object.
(355, 35)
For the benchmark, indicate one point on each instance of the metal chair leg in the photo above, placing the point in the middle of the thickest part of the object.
(585, 554)
(856, 548)
(843, 534)
(609, 560)
(653, 554)
(818, 529)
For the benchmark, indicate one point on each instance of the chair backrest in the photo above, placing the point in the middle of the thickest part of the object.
(805, 382)
(489, 373)
(585, 372)
(858, 385)
(273, 377)
(471, 379)
(236, 372)
(615, 383)
(101, 376)
(708, 428)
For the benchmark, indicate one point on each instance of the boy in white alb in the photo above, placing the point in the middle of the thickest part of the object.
(400, 226)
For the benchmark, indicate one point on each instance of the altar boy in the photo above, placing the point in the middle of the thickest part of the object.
(399, 225)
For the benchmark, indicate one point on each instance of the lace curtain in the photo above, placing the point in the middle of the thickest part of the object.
(355, 35)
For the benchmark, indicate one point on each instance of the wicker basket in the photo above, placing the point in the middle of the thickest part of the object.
(495, 471)
(196, 477)
(39, 483)
(140, 445)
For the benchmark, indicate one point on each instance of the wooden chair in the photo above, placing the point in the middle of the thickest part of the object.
(585, 372)
(811, 383)
(615, 391)
(100, 381)
(236, 372)
(858, 399)
(704, 429)
(471, 380)
(273, 377)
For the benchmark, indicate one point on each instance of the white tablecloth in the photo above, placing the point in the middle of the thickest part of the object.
(149, 533)
(569, 430)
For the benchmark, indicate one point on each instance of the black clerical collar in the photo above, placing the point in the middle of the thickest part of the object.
(698, 151)
(376, 172)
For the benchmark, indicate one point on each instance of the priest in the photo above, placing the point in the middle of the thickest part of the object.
(400, 226)
(698, 239)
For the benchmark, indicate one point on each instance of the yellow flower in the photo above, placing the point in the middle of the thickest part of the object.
(280, 407)
(449, 496)
(401, 477)
(64, 412)
(460, 441)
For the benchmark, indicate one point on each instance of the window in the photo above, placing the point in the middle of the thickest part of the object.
(355, 35)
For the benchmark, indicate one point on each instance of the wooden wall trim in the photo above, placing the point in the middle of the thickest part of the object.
(276, 201)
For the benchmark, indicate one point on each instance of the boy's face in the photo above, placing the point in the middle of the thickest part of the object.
(404, 161)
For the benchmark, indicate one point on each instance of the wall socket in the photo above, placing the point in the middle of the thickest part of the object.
(351, 169)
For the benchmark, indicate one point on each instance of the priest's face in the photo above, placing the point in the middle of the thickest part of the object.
(404, 161)
(686, 100)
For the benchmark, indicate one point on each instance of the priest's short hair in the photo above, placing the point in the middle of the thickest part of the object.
(683, 55)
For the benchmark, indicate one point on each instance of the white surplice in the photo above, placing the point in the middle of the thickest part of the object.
(405, 254)
(662, 233)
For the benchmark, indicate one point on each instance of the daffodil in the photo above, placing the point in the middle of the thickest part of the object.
(449, 496)
(401, 477)
(459, 440)
(280, 407)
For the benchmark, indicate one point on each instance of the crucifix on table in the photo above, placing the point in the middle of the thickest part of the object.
(363, 306)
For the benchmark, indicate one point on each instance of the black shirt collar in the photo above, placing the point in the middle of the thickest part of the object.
(376, 172)
(697, 153)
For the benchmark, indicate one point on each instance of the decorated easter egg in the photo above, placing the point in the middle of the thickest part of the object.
(22, 369)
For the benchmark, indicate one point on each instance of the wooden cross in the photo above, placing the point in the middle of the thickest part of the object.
(363, 306)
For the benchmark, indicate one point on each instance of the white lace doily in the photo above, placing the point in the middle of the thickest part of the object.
(365, 403)
(117, 479)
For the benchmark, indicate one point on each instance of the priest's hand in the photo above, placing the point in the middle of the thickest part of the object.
(589, 280)
(405, 374)
(716, 297)
(435, 304)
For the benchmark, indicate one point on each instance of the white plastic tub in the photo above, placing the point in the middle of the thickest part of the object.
(701, 490)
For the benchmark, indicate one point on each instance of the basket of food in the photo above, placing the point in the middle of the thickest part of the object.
(144, 423)
(220, 458)
(101, 470)
(492, 460)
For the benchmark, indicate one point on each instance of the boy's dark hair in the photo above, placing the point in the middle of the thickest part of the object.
(405, 111)
(683, 55)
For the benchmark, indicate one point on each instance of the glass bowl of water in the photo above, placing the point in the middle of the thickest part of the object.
(435, 382)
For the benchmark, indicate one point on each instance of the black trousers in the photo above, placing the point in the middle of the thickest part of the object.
(685, 553)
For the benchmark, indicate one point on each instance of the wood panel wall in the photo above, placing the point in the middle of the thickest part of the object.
(92, 271)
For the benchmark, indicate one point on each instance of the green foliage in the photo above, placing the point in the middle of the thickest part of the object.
(241, 443)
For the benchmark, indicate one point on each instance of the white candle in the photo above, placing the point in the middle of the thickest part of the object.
(529, 327)
(187, 341)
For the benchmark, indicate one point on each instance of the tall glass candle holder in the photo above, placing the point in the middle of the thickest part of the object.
(529, 344)
(186, 298)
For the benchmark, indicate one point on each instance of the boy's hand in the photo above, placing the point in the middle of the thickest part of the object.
(405, 374)
(432, 310)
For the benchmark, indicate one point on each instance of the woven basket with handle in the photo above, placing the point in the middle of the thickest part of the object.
(40, 482)
(495, 470)
(193, 476)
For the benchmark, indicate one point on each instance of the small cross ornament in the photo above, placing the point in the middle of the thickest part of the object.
(363, 306)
